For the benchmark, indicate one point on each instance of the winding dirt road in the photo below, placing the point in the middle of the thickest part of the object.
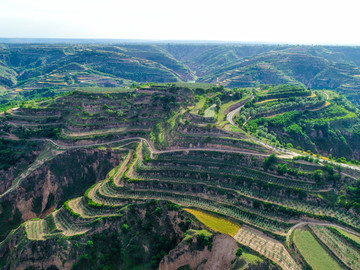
(303, 223)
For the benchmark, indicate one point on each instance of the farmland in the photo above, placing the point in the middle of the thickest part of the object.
(215, 223)
(179, 158)
(313, 252)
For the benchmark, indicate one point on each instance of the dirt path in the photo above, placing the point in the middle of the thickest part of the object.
(231, 114)
(327, 103)
(247, 120)
(10, 136)
(303, 223)
(118, 175)
(230, 117)
(31, 125)
(327, 95)
(103, 132)
(151, 146)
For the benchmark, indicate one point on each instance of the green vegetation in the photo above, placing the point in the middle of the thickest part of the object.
(251, 258)
(171, 149)
(313, 252)
(353, 237)
(63, 67)
(348, 255)
(191, 233)
(104, 90)
(298, 118)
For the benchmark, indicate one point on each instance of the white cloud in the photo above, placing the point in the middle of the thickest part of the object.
(256, 20)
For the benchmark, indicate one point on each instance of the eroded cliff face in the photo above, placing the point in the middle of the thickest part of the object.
(66, 176)
(219, 255)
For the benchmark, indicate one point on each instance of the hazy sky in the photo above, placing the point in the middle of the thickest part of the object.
(289, 21)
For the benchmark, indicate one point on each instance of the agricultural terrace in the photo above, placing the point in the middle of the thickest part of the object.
(345, 253)
(293, 117)
(173, 152)
(353, 237)
(215, 222)
(314, 254)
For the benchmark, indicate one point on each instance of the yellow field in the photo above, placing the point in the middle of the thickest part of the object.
(312, 95)
(214, 222)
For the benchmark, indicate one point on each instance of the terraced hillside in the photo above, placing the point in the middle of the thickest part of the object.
(318, 121)
(177, 169)
(29, 71)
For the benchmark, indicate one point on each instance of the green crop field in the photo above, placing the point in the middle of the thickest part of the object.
(313, 252)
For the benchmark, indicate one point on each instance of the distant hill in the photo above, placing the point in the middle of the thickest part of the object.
(60, 67)
(315, 67)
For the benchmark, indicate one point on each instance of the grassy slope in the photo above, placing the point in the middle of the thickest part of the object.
(250, 258)
(313, 252)
(210, 112)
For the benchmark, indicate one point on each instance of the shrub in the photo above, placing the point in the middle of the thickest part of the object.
(239, 252)
(269, 161)
(125, 228)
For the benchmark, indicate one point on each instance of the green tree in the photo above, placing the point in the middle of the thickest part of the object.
(289, 145)
(317, 175)
(217, 101)
(125, 228)
(239, 252)
(269, 161)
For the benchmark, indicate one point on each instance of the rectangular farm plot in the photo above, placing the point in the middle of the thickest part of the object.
(214, 222)
(266, 246)
(315, 255)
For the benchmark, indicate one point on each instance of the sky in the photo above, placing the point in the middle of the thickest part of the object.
(274, 21)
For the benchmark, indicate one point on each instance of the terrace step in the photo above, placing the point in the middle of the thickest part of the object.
(202, 203)
(36, 229)
(67, 226)
(80, 207)
(267, 247)
(345, 253)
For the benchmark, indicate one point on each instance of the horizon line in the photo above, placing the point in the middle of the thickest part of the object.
(14, 40)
